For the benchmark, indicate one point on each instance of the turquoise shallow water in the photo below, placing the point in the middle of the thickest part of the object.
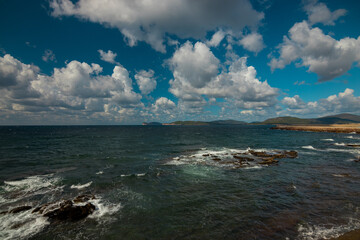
(153, 182)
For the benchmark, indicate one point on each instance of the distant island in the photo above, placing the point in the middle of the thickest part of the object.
(341, 123)
(197, 123)
(344, 118)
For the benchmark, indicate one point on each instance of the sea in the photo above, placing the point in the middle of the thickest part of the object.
(162, 182)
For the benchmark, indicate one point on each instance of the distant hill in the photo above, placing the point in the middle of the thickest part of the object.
(287, 120)
(227, 122)
(152, 123)
(217, 122)
(189, 123)
(340, 118)
(335, 119)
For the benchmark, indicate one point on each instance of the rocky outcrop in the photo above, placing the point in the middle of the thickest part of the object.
(64, 210)
(251, 157)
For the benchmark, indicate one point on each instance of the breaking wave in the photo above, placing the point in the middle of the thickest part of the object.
(308, 232)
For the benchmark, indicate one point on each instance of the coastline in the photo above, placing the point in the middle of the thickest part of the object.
(336, 128)
(352, 235)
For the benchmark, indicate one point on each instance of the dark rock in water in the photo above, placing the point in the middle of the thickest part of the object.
(216, 159)
(260, 154)
(269, 160)
(291, 154)
(206, 155)
(68, 211)
(278, 154)
(241, 158)
(353, 145)
(20, 209)
(83, 198)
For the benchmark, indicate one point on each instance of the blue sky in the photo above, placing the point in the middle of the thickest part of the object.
(125, 62)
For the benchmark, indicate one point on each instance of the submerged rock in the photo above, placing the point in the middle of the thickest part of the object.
(260, 154)
(20, 209)
(242, 158)
(291, 154)
(269, 160)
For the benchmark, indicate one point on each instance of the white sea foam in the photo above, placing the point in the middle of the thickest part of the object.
(99, 172)
(339, 144)
(38, 184)
(328, 139)
(351, 137)
(309, 147)
(79, 186)
(325, 231)
(103, 208)
(340, 175)
(136, 174)
(21, 225)
(253, 167)
(32, 183)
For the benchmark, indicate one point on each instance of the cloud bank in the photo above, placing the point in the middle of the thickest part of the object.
(150, 21)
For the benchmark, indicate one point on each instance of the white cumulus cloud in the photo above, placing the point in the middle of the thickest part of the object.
(146, 81)
(78, 89)
(108, 56)
(152, 20)
(334, 104)
(196, 75)
(322, 54)
(319, 13)
(253, 42)
(216, 38)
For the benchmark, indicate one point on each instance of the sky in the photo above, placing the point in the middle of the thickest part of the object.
(69, 62)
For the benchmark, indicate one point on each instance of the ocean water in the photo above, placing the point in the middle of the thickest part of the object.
(158, 182)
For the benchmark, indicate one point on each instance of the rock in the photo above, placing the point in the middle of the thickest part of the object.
(353, 145)
(241, 158)
(269, 160)
(291, 154)
(278, 154)
(260, 154)
(206, 155)
(83, 198)
(20, 209)
(68, 211)
(216, 159)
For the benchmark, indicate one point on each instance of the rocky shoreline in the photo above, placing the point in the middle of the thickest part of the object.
(352, 235)
(336, 128)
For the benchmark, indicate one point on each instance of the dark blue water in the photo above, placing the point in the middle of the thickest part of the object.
(153, 182)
